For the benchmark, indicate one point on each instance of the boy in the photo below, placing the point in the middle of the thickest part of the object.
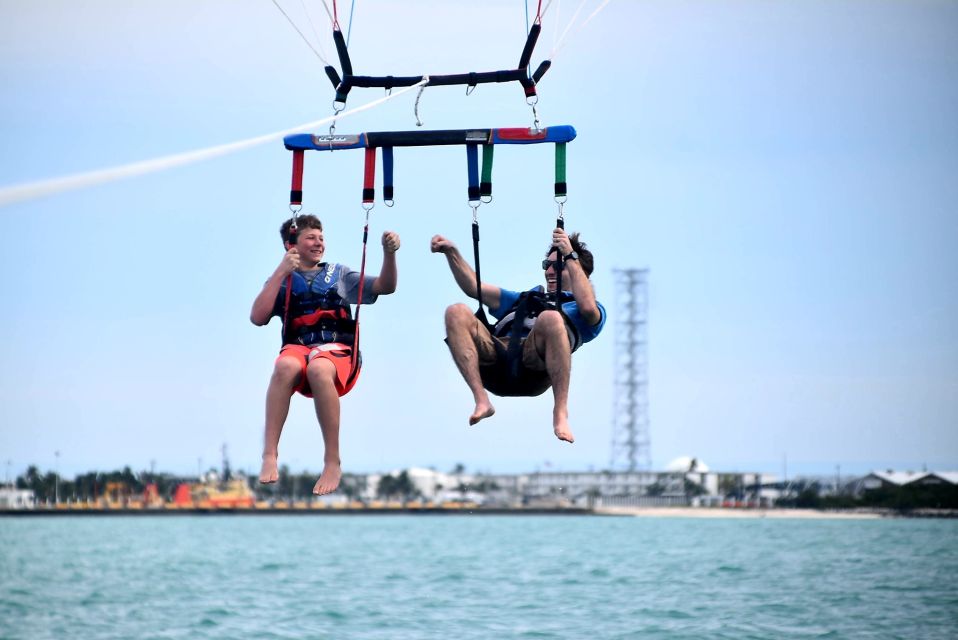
(316, 356)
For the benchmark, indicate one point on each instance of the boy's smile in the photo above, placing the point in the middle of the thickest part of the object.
(311, 245)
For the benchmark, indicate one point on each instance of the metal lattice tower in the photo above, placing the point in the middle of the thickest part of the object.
(630, 411)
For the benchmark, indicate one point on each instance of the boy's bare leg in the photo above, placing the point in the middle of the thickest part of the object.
(321, 374)
(462, 336)
(552, 345)
(285, 377)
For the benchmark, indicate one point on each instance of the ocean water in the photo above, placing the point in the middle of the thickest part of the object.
(471, 576)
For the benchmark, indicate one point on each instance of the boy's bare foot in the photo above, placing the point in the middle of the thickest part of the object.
(483, 411)
(269, 473)
(560, 424)
(329, 480)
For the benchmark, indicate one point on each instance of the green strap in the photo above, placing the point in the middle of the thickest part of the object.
(560, 169)
(485, 183)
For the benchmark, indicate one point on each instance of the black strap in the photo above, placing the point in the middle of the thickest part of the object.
(480, 312)
(560, 223)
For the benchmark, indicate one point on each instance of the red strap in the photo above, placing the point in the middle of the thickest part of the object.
(296, 189)
(369, 177)
(354, 356)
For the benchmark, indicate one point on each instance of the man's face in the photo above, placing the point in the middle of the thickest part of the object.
(311, 245)
(550, 268)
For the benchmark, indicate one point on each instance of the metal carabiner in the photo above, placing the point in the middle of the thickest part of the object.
(475, 211)
(532, 101)
(418, 96)
(332, 127)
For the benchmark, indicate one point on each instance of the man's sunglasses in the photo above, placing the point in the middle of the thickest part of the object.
(551, 263)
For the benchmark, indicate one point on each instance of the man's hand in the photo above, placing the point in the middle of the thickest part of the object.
(440, 244)
(390, 241)
(560, 240)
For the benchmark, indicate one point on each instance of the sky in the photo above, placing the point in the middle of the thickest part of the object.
(785, 170)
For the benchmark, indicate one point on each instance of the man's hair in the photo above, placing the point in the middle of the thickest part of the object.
(585, 256)
(306, 221)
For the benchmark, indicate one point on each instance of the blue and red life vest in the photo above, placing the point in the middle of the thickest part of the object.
(317, 313)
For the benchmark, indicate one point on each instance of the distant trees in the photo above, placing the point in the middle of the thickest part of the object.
(399, 486)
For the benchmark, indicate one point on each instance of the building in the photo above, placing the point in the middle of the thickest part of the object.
(11, 498)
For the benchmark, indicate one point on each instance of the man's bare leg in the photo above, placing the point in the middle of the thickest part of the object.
(552, 344)
(321, 374)
(285, 377)
(461, 335)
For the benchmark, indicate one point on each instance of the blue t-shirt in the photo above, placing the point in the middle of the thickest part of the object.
(587, 332)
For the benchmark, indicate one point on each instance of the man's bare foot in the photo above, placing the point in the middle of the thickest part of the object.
(560, 424)
(329, 480)
(269, 473)
(483, 411)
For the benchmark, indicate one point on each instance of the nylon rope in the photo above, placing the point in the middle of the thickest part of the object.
(40, 188)
(332, 20)
(301, 34)
(312, 26)
(349, 29)
(582, 26)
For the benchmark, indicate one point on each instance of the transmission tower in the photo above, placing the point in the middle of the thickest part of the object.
(630, 411)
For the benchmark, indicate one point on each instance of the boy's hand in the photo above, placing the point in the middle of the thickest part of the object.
(290, 261)
(390, 241)
(441, 245)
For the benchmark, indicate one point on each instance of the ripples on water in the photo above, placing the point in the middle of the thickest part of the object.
(402, 577)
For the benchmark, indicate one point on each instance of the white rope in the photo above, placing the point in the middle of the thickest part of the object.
(555, 48)
(39, 189)
(312, 25)
(562, 42)
(332, 20)
(301, 34)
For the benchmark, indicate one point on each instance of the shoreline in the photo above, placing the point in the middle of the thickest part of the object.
(711, 512)
(634, 512)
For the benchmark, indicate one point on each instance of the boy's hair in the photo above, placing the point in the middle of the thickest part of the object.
(305, 221)
(585, 256)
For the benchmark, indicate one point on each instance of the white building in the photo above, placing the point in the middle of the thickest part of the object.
(11, 498)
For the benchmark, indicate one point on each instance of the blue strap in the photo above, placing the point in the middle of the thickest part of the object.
(472, 157)
(387, 173)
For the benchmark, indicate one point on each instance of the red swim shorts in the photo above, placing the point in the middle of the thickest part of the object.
(335, 352)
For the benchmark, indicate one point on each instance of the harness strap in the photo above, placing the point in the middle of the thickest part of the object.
(560, 265)
(296, 188)
(485, 184)
(369, 177)
(560, 186)
(388, 174)
(472, 161)
(369, 190)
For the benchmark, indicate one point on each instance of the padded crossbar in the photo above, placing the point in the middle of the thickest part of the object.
(518, 135)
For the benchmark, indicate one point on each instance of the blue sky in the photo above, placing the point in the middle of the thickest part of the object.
(785, 170)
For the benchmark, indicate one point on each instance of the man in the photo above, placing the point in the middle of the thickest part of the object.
(530, 348)
(316, 358)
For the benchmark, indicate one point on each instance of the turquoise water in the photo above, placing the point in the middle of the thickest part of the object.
(409, 576)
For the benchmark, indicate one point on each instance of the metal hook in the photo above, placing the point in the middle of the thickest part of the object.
(418, 96)
(475, 211)
(532, 101)
(560, 201)
(295, 208)
(470, 89)
(332, 127)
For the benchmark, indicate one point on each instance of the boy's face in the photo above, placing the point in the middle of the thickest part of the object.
(311, 245)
